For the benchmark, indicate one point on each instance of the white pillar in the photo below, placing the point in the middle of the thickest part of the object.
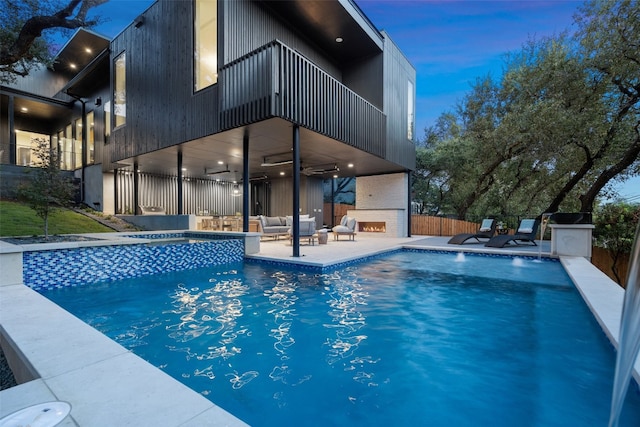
(571, 239)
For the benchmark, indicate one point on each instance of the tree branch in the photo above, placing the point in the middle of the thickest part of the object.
(34, 27)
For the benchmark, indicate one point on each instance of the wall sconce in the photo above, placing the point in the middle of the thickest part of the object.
(139, 21)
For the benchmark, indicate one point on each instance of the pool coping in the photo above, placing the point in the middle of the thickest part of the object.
(63, 352)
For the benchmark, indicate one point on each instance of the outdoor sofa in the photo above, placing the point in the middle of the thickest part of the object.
(274, 226)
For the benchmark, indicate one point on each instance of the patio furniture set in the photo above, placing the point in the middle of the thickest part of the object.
(277, 226)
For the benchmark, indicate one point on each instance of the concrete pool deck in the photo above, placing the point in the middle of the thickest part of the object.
(106, 384)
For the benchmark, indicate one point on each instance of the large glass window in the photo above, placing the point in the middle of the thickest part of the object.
(410, 111)
(65, 147)
(205, 54)
(120, 91)
(77, 146)
(107, 121)
(91, 141)
(26, 144)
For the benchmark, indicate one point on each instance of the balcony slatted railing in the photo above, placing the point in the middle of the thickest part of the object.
(276, 81)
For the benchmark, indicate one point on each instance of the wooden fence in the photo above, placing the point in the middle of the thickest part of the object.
(422, 225)
(339, 211)
(600, 258)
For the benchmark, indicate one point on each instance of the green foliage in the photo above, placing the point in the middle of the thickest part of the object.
(28, 28)
(17, 219)
(48, 189)
(615, 227)
(556, 131)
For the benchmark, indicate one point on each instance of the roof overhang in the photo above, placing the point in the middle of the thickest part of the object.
(81, 50)
(324, 21)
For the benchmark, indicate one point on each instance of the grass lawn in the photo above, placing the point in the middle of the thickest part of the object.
(16, 219)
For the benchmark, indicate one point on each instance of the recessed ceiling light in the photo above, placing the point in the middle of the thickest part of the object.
(339, 39)
(184, 169)
(220, 162)
(24, 109)
(335, 176)
(72, 66)
(282, 173)
(350, 165)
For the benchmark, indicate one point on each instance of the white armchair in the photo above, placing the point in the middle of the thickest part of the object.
(347, 227)
(307, 230)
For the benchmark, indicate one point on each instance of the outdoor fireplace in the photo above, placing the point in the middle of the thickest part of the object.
(380, 222)
(372, 226)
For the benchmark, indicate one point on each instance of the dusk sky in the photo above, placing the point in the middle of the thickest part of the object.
(450, 43)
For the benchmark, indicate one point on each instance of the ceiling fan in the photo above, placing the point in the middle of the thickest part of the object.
(318, 170)
(208, 171)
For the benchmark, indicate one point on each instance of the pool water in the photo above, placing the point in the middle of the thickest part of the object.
(411, 338)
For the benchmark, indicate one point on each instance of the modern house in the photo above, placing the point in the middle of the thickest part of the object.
(228, 106)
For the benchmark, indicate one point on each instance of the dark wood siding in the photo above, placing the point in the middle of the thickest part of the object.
(311, 196)
(365, 78)
(43, 82)
(397, 73)
(271, 80)
(248, 26)
(274, 80)
(162, 108)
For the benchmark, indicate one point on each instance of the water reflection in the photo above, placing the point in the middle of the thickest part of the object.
(282, 297)
(346, 297)
(213, 311)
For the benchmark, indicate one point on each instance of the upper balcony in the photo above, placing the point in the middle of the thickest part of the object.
(276, 81)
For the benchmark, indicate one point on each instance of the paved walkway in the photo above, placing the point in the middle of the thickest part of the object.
(345, 250)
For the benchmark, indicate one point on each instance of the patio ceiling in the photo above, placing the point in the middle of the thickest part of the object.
(269, 141)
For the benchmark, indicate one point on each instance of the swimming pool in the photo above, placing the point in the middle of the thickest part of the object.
(409, 338)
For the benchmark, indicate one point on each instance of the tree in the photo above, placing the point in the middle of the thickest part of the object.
(611, 45)
(22, 47)
(48, 189)
(562, 123)
(615, 227)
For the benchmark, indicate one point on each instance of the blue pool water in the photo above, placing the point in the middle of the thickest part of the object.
(411, 338)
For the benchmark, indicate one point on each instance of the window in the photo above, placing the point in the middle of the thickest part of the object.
(91, 141)
(107, 121)
(77, 146)
(410, 111)
(65, 148)
(120, 91)
(205, 43)
(26, 143)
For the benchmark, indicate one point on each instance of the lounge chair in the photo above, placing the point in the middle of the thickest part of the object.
(486, 231)
(526, 233)
(347, 228)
